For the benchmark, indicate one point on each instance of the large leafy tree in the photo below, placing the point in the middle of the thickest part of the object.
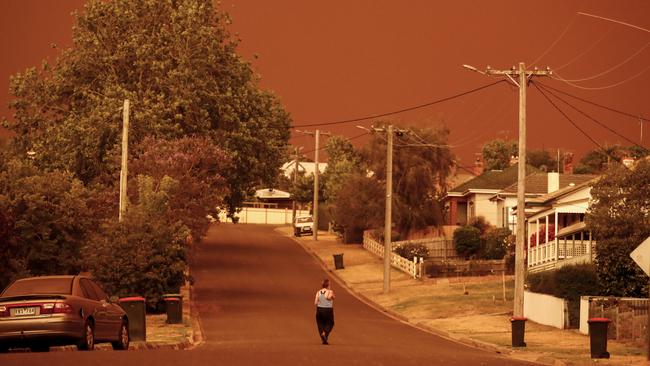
(359, 206)
(497, 153)
(198, 165)
(46, 218)
(619, 218)
(344, 161)
(175, 61)
(541, 159)
(597, 161)
(421, 165)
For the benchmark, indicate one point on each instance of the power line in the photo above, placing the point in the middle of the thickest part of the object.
(555, 42)
(591, 118)
(592, 103)
(591, 47)
(401, 110)
(348, 139)
(560, 78)
(576, 125)
(607, 71)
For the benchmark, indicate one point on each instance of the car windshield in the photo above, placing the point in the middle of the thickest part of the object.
(49, 286)
(304, 219)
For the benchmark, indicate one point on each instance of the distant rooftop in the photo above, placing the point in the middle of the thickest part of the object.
(493, 179)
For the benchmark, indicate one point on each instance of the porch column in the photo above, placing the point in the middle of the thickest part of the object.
(557, 242)
(537, 238)
(589, 247)
(530, 250)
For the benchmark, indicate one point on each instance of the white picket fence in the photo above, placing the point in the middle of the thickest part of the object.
(413, 268)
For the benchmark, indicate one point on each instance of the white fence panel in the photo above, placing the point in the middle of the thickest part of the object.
(546, 309)
(260, 215)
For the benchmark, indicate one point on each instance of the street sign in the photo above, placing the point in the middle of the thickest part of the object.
(641, 255)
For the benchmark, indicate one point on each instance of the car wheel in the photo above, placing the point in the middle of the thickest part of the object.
(40, 348)
(87, 341)
(124, 338)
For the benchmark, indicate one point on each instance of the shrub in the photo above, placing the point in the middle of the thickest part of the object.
(411, 250)
(146, 253)
(496, 243)
(569, 283)
(141, 256)
(467, 240)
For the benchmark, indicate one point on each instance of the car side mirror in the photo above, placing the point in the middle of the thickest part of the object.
(113, 299)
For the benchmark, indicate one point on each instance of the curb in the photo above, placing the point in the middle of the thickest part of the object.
(135, 346)
(401, 318)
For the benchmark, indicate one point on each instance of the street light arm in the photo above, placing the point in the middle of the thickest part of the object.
(472, 68)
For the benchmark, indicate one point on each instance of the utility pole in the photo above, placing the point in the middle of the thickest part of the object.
(295, 183)
(315, 213)
(523, 76)
(125, 160)
(388, 215)
(316, 134)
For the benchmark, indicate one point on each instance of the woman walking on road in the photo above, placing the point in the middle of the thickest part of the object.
(324, 302)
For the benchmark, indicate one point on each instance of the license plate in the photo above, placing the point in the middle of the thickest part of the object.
(24, 311)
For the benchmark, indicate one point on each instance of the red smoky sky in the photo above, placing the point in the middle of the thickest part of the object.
(338, 60)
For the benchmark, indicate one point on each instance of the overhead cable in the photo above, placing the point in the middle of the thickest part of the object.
(576, 125)
(591, 118)
(400, 110)
(593, 103)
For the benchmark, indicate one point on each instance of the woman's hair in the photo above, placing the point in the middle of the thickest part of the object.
(326, 283)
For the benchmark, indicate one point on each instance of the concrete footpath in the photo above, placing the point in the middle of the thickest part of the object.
(470, 310)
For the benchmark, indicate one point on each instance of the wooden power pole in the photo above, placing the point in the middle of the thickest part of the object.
(388, 216)
(316, 134)
(520, 266)
(519, 77)
(295, 183)
(125, 160)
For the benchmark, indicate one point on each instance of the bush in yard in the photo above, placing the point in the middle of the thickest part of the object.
(45, 219)
(146, 253)
(568, 283)
(467, 240)
(411, 250)
(496, 243)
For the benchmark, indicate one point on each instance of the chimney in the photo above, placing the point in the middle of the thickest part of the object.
(568, 163)
(553, 181)
(478, 166)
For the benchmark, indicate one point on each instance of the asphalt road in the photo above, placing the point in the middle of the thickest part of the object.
(255, 290)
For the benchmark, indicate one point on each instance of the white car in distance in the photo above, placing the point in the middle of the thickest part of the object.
(303, 225)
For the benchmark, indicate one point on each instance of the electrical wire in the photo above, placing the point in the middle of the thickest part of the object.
(566, 29)
(592, 118)
(576, 126)
(400, 110)
(348, 139)
(611, 68)
(593, 103)
(587, 50)
(560, 78)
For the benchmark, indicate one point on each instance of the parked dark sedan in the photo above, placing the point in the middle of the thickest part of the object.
(39, 312)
